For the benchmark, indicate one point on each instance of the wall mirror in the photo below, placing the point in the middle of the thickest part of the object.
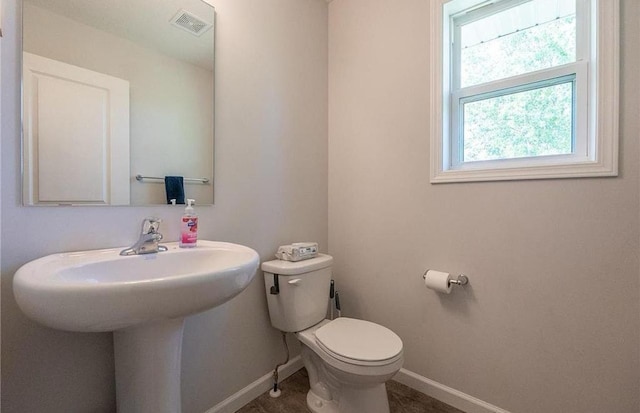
(117, 95)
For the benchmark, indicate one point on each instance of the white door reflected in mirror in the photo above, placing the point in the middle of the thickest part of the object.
(69, 110)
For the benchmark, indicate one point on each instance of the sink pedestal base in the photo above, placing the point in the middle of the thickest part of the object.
(147, 359)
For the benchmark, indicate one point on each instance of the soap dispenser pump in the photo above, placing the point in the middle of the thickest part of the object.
(189, 226)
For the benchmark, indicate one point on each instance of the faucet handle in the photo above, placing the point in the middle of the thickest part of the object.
(150, 225)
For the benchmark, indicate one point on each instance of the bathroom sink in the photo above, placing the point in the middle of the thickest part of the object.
(143, 299)
(103, 291)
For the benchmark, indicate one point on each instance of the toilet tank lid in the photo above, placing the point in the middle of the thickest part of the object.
(282, 267)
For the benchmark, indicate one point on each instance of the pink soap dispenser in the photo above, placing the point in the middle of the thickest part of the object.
(189, 227)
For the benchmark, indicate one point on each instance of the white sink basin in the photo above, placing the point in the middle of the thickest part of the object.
(103, 291)
(144, 299)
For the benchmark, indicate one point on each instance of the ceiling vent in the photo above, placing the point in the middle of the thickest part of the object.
(190, 23)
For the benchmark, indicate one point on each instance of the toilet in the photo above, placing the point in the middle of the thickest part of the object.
(348, 360)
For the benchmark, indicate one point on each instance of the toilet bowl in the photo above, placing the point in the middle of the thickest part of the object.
(344, 377)
(348, 360)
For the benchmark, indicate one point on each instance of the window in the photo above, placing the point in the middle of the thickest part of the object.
(529, 89)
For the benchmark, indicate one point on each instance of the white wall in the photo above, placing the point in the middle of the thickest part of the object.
(270, 189)
(550, 320)
(171, 104)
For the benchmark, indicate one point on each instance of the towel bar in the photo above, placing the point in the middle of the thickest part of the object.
(201, 180)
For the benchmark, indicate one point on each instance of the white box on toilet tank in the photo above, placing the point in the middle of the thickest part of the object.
(302, 298)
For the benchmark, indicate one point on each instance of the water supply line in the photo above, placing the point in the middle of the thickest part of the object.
(332, 293)
(275, 391)
(334, 301)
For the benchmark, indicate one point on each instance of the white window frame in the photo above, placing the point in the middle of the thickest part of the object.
(596, 95)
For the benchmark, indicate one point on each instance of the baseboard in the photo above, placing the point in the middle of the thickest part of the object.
(453, 397)
(255, 389)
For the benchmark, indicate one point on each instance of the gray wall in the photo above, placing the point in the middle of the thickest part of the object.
(270, 189)
(550, 322)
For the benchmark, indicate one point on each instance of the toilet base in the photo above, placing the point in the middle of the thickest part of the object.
(335, 391)
(370, 400)
(319, 405)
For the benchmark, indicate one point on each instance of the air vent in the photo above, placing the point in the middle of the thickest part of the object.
(190, 23)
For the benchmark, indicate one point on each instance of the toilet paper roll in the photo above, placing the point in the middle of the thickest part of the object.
(438, 281)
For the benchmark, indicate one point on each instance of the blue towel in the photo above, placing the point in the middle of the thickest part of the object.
(174, 186)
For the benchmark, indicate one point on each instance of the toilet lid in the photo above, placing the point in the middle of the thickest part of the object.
(359, 340)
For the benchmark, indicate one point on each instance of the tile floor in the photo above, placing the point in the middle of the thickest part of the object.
(402, 399)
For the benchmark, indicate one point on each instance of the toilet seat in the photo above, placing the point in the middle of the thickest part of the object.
(359, 342)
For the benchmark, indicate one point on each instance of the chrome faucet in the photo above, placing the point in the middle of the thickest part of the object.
(149, 241)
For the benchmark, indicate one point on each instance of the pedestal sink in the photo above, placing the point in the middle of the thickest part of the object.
(143, 299)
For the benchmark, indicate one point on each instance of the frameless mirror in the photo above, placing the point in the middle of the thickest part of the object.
(117, 95)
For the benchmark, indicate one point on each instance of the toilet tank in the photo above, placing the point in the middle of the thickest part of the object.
(302, 297)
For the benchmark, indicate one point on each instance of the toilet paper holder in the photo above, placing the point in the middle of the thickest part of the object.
(460, 280)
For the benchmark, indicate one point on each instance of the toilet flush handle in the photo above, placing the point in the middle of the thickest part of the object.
(275, 288)
(295, 281)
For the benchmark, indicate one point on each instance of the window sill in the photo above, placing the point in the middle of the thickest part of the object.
(575, 170)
